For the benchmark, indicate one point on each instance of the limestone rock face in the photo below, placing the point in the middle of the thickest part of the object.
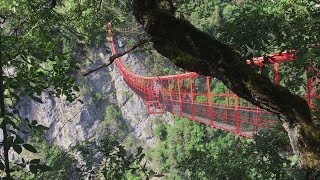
(84, 119)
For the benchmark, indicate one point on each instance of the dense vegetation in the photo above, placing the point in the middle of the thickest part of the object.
(188, 150)
(43, 43)
(194, 50)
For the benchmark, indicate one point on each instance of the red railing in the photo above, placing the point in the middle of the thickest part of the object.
(189, 95)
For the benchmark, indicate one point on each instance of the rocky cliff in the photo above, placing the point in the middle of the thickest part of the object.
(86, 118)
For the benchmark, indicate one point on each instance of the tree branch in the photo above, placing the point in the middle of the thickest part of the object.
(193, 50)
(114, 57)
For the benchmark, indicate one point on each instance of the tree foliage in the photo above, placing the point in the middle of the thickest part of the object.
(61, 165)
(193, 151)
(197, 51)
(41, 45)
(255, 28)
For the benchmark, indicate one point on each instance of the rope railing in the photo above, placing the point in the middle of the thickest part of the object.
(189, 95)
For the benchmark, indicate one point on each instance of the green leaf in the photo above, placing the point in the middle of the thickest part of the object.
(141, 157)
(17, 148)
(43, 168)
(10, 139)
(13, 125)
(18, 140)
(76, 88)
(139, 150)
(36, 99)
(33, 169)
(30, 148)
(35, 161)
(134, 171)
(1, 166)
(43, 127)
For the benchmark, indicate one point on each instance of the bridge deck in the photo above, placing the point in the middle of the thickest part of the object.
(190, 95)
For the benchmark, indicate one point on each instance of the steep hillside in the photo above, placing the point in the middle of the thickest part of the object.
(105, 105)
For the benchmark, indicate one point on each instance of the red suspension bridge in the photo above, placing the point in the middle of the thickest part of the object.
(190, 95)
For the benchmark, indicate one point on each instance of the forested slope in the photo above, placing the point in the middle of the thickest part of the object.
(94, 126)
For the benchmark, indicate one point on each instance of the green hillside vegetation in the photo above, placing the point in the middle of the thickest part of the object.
(46, 43)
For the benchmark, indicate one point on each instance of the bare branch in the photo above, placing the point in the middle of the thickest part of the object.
(115, 56)
(131, 30)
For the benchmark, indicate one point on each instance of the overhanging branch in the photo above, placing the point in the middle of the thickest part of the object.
(193, 50)
(114, 57)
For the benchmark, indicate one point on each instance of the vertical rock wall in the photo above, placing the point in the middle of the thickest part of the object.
(83, 120)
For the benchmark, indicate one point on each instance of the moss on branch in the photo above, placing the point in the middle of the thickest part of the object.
(196, 51)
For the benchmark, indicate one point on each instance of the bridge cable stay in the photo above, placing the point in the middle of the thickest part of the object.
(189, 95)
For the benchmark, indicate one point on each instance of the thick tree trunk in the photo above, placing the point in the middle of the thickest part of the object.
(197, 51)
